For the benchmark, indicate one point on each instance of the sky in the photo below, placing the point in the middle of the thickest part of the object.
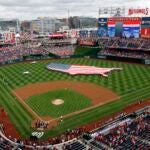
(31, 9)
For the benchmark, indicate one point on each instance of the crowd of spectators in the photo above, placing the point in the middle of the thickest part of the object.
(138, 44)
(123, 47)
(61, 50)
(18, 51)
(140, 48)
(59, 41)
(4, 144)
(146, 44)
(124, 53)
(133, 134)
(102, 42)
(33, 143)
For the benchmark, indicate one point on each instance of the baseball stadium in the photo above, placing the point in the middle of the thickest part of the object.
(84, 89)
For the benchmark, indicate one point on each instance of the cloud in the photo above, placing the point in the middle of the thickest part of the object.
(30, 9)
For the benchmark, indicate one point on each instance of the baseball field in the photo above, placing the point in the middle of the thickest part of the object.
(82, 98)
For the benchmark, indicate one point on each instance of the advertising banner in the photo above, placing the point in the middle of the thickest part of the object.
(102, 27)
(74, 33)
(125, 19)
(107, 12)
(145, 23)
(145, 32)
(102, 22)
(9, 37)
(87, 42)
(138, 12)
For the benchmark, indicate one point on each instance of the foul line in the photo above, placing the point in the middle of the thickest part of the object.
(35, 115)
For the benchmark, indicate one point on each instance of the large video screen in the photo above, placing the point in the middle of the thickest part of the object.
(131, 32)
(111, 31)
(111, 28)
(124, 27)
(131, 29)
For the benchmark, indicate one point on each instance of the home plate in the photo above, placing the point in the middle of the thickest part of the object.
(33, 62)
(57, 102)
(26, 72)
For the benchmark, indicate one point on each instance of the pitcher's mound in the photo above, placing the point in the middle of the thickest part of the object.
(57, 102)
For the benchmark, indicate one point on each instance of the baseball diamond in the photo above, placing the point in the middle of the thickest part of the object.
(131, 84)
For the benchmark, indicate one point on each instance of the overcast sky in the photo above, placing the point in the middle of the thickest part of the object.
(31, 9)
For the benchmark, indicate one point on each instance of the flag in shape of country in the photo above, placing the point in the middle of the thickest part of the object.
(80, 69)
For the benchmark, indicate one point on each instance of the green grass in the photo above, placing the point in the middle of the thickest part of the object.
(73, 101)
(132, 84)
(86, 51)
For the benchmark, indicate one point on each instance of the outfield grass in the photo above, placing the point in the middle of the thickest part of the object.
(73, 101)
(132, 84)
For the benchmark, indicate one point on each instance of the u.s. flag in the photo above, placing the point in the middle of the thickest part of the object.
(80, 69)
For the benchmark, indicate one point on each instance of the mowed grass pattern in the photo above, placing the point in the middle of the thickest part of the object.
(73, 101)
(132, 84)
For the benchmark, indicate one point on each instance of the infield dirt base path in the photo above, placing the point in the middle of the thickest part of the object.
(94, 92)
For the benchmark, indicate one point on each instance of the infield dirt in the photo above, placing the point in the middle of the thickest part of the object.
(94, 92)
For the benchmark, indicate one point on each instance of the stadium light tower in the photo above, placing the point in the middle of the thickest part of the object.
(42, 26)
(68, 18)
